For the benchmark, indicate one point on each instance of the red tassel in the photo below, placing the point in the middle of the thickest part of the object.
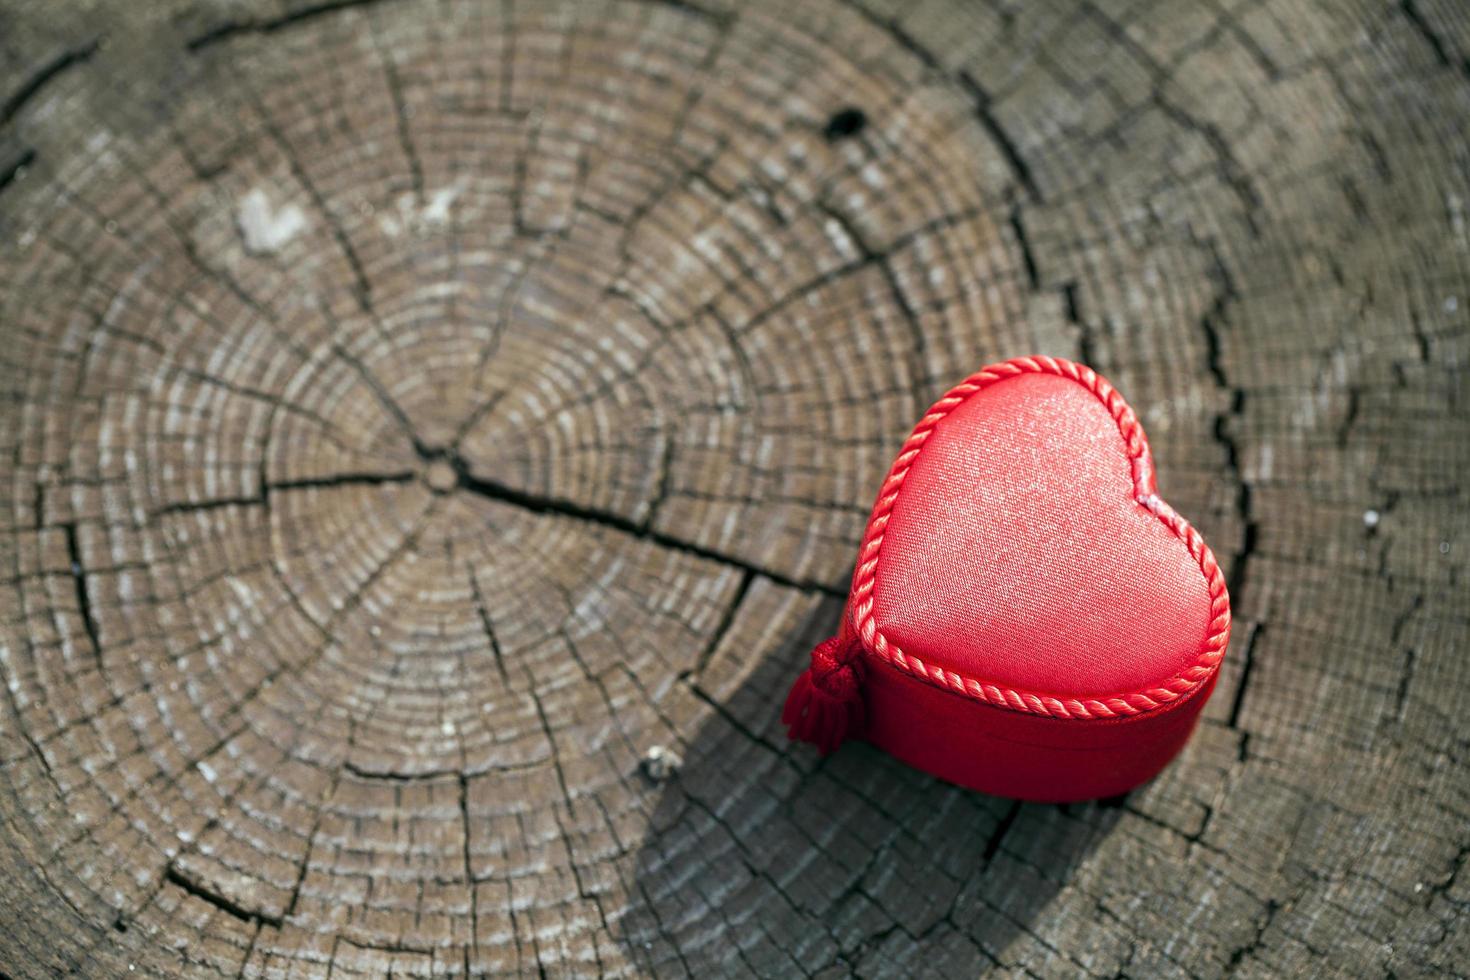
(825, 706)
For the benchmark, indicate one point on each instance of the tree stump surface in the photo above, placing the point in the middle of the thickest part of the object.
(435, 433)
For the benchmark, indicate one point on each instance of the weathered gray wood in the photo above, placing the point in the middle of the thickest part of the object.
(415, 413)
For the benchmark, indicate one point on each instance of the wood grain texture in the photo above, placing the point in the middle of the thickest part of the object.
(416, 413)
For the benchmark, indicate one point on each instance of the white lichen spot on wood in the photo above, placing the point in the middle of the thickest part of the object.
(266, 228)
(660, 763)
(840, 240)
(243, 592)
(410, 218)
(437, 210)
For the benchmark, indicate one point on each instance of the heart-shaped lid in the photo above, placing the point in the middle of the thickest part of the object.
(1019, 555)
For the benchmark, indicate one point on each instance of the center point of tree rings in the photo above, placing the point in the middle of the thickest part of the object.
(440, 476)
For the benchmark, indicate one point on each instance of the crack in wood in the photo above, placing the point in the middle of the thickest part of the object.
(665, 483)
(747, 856)
(43, 76)
(483, 611)
(362, 289)
(79, 583)
(395, 410)
(1234, 175)
(306, 853)
(727, 618)
(1087, 352)
(30, 741)
(401, 113)
(363, 479)
(215, 503)
(16, 169)
(1009, 149)
(389, 776)
(175, 877)
(389, 947)
(469, 876)
(737, 723)
(249, 950)
(872, 256)
(1247, 664)
(1210, 325)
(330, 429)
(503, 493)
(1411, 655)
(1028, 260)
(1437, 44)
(1237, 956)
(998, 836)
(228, 30)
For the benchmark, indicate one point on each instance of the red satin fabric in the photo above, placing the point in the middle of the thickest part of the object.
(1017, 553)
(1028, 757)
(1020, 553)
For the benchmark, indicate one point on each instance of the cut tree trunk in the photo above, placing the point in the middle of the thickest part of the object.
(434, 433)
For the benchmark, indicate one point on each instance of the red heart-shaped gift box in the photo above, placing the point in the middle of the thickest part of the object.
(1027, 617)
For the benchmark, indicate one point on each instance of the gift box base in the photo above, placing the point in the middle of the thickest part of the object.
(1024, 756)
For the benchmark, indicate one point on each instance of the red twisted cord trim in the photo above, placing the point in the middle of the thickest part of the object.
(1179, 686)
